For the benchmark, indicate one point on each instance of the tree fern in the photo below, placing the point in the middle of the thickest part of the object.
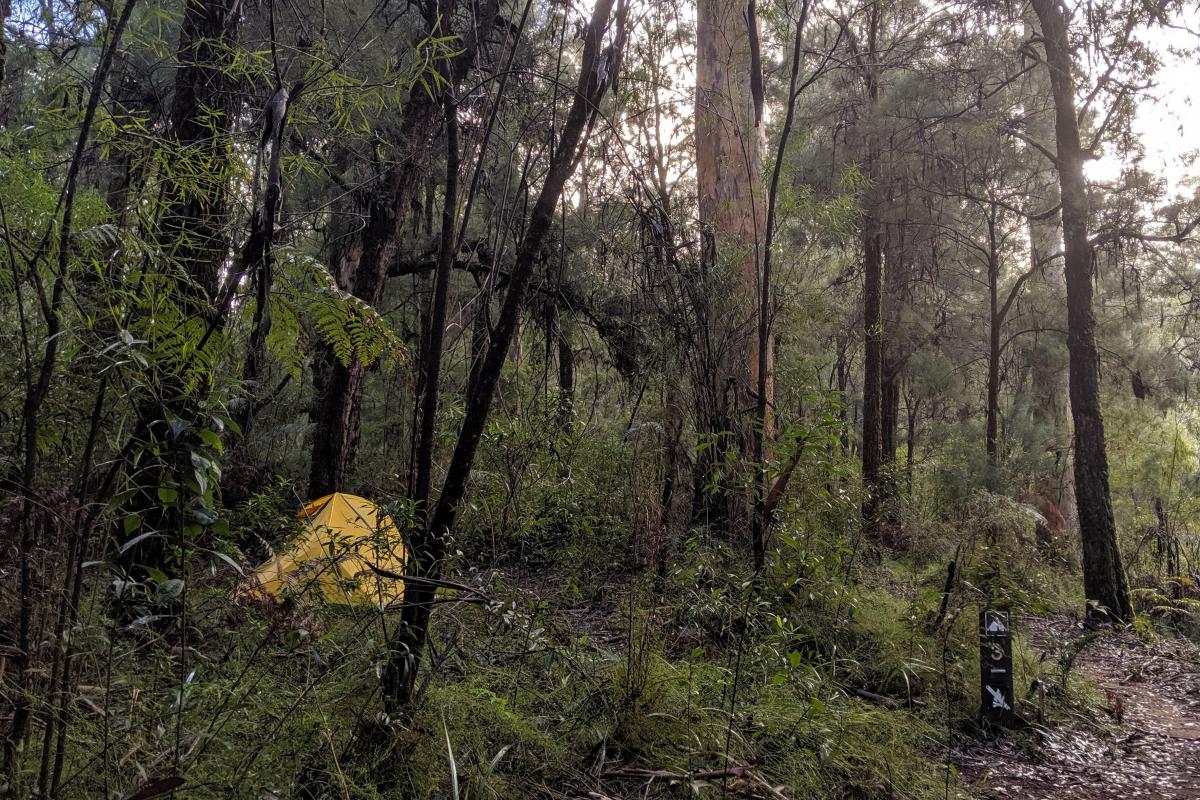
(352, 329)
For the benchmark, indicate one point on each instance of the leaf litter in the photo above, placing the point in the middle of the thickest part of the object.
(1151, 693)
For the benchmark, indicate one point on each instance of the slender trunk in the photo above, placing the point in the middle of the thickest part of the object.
(1046, 359)
(912, 406)
(872, 408)
(259, 262)
(762, 520)
(481, 333)
(1165, 542)
(872, 404)
(995, 322)
(36, 392)
(841, 372)
(895, 281)
(428, 547)
(5, 10)
(673, 423)
(1103, 576)
(566, 376)
(437, 314)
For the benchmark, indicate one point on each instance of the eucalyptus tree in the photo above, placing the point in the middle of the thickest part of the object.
(731, 203)
(1103, 574)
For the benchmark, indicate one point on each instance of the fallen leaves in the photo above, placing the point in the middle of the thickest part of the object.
(1150, 691)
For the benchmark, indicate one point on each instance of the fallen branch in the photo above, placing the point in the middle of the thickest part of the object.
(735, 771)
(892, 703)
(435, 582)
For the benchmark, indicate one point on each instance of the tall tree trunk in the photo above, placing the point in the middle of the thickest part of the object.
(194, 231)
(731, 204)
(895, 285)
(566, 375)
(873, 333)
(5, 10)
(195, 227)
(1103, 576)
(437, 315)
(427, 548)
(841, 374)
(1048, 369)
(872, 408)
(995, 322)
(764, 389)
(912, 406)
(258, 261)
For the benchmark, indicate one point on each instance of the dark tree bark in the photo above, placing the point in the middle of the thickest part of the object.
(194, 231)
(195, 226)
(873, 333)
(5, 10)
(841, 376)
(361, 267)
(995, 323)
(1103, 576)
(427, 547)
(259, 257)
(361, 263)
(895, 286)
(895, 281)
(912, 407)
(1165, 545)
(890, 410)
(566, 376)
(872, 410)
(437, 315)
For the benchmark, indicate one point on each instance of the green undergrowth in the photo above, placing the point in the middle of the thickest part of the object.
(836, 673)
(258, 703)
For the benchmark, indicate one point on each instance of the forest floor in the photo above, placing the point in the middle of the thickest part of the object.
(1150, 750)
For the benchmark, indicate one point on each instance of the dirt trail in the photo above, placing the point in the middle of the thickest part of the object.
(1153, 693)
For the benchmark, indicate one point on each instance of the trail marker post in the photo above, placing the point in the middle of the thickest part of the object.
(996, 698)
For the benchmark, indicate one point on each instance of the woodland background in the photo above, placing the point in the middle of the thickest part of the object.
(718, 363)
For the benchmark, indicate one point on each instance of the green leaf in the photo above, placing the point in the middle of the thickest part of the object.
(212, 440)
(453, 762)
(134, 541)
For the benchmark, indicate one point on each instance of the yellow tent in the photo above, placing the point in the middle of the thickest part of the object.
(331, 558)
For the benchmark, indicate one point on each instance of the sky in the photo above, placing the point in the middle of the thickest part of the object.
(1168, 123)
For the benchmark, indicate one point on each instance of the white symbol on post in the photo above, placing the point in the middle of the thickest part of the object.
(995, 623)
(998, 700)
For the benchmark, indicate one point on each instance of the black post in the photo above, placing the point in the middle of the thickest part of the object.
(995, 669)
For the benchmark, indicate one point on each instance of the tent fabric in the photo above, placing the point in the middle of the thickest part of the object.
(331, 557)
